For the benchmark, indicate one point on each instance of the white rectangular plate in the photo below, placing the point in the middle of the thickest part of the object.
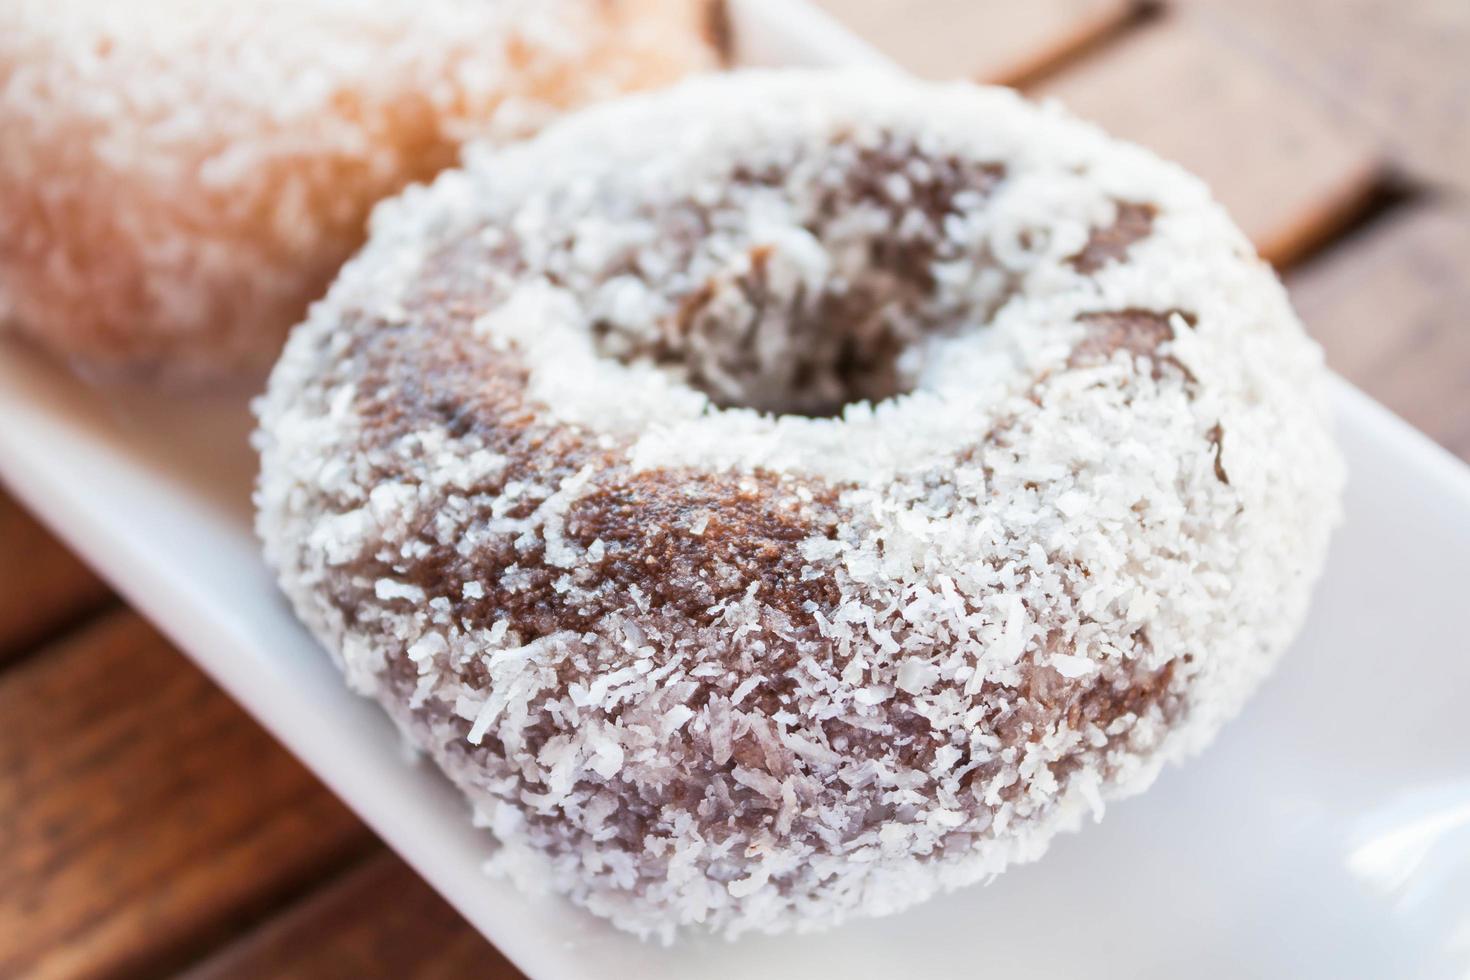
(1327, 834)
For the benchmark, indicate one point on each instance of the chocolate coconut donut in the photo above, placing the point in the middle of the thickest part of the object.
(178, 179)
(794, 494)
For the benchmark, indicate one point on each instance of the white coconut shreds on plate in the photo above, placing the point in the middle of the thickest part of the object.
(794, 494)
(180, 178)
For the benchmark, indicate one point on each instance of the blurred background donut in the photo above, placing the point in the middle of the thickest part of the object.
(178, 180)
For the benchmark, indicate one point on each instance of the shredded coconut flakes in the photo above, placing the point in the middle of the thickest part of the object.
(885, 477)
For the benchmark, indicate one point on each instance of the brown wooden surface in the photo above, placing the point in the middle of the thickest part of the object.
(1392, 309)
(142, 814)
(991, 40)
(42, 586)
(379, 921)
(1288, 172)
(1394, 69)
(147, 826)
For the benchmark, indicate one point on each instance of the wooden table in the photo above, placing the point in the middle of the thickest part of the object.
(148, 827)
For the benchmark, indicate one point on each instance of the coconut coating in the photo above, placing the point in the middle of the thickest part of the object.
(180, 179)
(794, 494)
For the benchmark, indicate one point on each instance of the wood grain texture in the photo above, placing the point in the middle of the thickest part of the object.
(142, 814)
(42, 586)
(1392, 309)
(1395, 67)
(1288, 172)
(380, 921)
(990, 40)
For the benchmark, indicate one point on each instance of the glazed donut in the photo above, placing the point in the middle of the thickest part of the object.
(179, 179)
(793, 494)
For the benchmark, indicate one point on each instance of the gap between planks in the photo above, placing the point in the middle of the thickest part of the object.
(146, 817)
(377, 920)
(1290, 173)
(1395, 68)
(44, 589)
(1391, 307)
(998, 41)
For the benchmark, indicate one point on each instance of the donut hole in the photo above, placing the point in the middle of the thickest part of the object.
(767, 338)
(816, 287)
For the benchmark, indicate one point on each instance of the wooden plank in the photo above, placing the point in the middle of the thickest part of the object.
(1396, 66)
(1288, 171)
(1392, 309)
(990, 40)
(379, 921)
(143, 815)
(42, 586)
